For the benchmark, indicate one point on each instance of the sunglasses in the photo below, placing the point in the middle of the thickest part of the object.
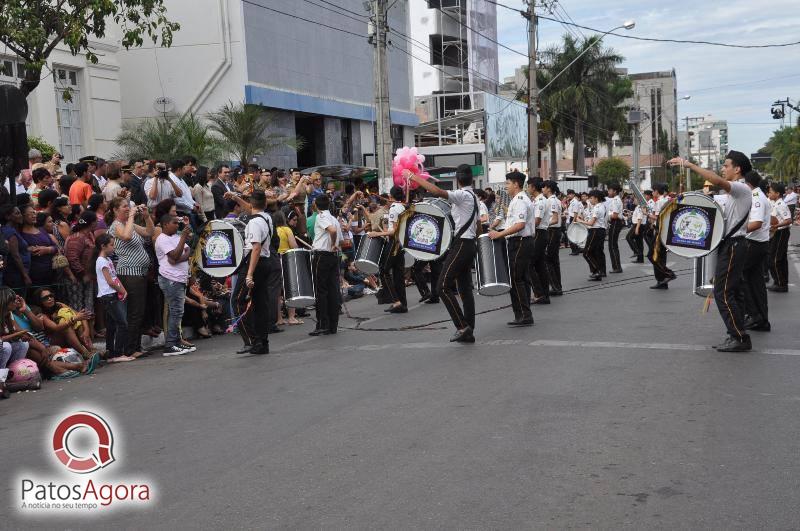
(46, 296)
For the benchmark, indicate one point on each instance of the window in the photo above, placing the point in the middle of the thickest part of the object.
(347, 142)
(397, 137)
(68, 113)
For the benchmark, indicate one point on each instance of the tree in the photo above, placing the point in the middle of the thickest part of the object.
(612, 170)
(784, 146)
(168, 138)
(613, 119)
(583, 89)
(44, 147)
(244, 131)
(33, 28)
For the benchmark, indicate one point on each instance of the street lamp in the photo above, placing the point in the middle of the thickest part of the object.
(628, 25)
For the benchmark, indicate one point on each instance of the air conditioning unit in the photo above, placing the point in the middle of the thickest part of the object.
(635, 116)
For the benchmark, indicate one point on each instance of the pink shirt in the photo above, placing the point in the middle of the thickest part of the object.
(166, 244)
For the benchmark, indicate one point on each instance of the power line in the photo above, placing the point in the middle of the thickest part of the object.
(362, 21)
(443, 12)
(303, 19)
(678, 41)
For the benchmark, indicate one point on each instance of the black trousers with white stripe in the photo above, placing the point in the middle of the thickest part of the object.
(778, 262)
(520, 251)
(457, 274)
(754, 289)
(553, 260)
(727, 279)
(593, 251)
(614, 228)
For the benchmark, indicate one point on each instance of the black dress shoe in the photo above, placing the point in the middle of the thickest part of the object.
(638, 261)
(244, 349)
(541, 300)
(319, 332)
(558, 293)
(778, 289)
(616, 270)
(461, 334)
(758, 326)
(275, 330)
(574, 254)
(735, 345)
(595, 277)
(466, 338)
(425, 297)
(603, 275)
(398, 309)
(432, 301)
(670, 278)
(660, 285)
(260, 348)
(522, 322)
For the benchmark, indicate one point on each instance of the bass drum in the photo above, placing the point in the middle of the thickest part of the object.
(577, 233)
(491, 266)
(368, 255)
(704, 270)
(427, 232)
(408, 260)
(694, 225)
(298, 283)
(220, 249)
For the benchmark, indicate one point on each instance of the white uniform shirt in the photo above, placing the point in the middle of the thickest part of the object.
(395, 211)
(463, 205)
(614, 204)
(574, 208)
(790, 199)
(651, 205)
(721, 199)
(586, 213)
(520, 210)
(659, 205)
(760, 210)
(482, 210)
(599, 215)
(737, 206)
(638, 215)
(541, 211)
(781, 212)
(258, 230)
(322, 240)
(554, 207)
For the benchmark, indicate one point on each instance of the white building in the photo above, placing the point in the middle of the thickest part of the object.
(89, 122)
(317, 81)
(708, 140)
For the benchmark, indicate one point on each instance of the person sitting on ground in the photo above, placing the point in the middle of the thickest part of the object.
(64, 325)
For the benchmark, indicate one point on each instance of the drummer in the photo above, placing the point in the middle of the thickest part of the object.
(539, 275)
(393, 273)
(574, 208)
(593, 252)
(325, 267)
(457, 267)
(553, 209)
(517, 231)
(730, 253)
(657, 254)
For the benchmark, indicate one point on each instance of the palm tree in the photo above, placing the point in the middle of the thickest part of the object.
(583, 90)
(552, 120)
(168, 138)
(244, 130)
(784, 146)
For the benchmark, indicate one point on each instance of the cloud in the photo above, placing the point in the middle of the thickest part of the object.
(697, 66)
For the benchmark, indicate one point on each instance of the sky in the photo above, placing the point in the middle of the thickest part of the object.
(737, 85)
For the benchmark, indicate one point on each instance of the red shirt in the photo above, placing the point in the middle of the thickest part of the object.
(79, 193)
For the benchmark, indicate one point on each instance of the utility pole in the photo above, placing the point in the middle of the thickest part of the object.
(383, 138)
(688, 156)
(533, 95)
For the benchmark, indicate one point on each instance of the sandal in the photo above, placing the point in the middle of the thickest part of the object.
(295, 322)
(120, 359)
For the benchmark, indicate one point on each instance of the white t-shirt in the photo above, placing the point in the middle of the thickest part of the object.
(781, 212)
(463, 204)
(760, 210)
(175, 272)
(574, 208)
(541, 212)
(322, 240)
(482, 210)
(395, 211)
(103, 287)
(599, 215)
(258, 230)
(790, 199)
(737, 207)
(614, 204)
(520, 210)
(554, 208)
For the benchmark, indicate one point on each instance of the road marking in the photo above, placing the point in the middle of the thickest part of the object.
(650, 346)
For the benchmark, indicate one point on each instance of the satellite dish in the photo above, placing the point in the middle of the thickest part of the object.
(164, 104)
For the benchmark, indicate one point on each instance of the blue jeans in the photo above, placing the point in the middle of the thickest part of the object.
(174, 296)
(116, 325)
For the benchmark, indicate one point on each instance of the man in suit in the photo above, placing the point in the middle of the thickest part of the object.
(219, 186)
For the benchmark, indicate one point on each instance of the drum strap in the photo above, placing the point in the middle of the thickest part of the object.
(737, 227)
(463, 229)
(246, 258)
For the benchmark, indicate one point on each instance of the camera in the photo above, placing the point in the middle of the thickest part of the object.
(181, 226)
(163, 173)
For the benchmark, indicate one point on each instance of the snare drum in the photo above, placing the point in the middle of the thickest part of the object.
(368, 254)
(491, 266)
(577, 233)
(298, 283)
(694, 227)
(426, 234)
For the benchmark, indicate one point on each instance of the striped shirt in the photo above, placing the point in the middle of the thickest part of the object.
(132, 257)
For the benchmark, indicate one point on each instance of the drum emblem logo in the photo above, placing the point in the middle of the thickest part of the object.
(424, 233)
(218, 249)
(691, 226)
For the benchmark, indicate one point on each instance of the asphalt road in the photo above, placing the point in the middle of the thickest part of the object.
(611, 412)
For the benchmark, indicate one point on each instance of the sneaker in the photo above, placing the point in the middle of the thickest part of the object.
(188, 347)
(175, 351)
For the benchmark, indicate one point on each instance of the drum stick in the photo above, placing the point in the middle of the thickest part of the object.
(303, 242)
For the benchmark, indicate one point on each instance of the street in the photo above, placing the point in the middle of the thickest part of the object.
(613, 411)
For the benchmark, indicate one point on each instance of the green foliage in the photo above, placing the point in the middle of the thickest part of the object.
(32, 29)
(784, 146)
(47, 149)
(610, 170)
(244, 131)
(168, 138)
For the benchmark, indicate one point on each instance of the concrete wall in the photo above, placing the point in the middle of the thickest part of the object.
(204, 69)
